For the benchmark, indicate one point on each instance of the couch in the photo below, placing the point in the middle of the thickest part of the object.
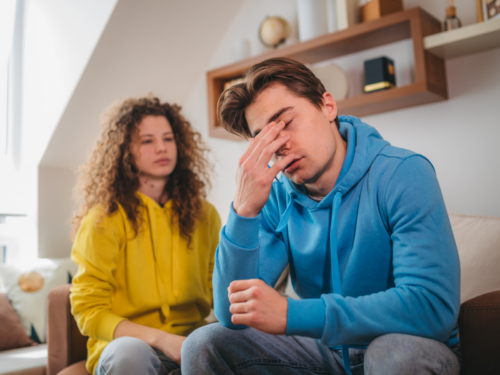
(478, 242)
(24, 288)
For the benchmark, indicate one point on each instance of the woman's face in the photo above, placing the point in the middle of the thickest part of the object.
(154, 148)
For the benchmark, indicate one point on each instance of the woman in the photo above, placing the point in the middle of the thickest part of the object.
(145, 240)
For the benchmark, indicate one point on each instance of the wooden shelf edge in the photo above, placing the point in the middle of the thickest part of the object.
(389, 100)
(465, 40)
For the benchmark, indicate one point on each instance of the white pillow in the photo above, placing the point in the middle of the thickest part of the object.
(478, 242)
(32, 306)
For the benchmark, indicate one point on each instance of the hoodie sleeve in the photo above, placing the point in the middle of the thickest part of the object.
(425, 298)
(95, 250)
(248, 249)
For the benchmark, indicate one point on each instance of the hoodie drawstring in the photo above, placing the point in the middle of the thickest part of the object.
(335, 273)
(286, 215)
(335, 279)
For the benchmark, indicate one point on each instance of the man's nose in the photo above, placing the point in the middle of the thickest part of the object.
(283, 150)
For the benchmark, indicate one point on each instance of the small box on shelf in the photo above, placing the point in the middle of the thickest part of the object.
(375, 9)
(379, 74)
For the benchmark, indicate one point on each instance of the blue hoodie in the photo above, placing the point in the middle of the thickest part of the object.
(377, 255)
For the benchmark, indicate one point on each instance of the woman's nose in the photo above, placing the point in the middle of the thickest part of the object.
(160, 147)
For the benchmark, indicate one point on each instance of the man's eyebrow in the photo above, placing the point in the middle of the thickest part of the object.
(273, 118)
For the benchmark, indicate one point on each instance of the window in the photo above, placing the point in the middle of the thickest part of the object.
(8, 17)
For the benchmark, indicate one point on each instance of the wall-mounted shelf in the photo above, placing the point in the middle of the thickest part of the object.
(465, 40)
(430, 75)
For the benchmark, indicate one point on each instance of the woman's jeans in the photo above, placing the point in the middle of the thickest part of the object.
(128, 355)
(214, 349)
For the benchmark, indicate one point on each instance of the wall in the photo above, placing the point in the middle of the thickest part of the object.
(460, 136)
(55, 207)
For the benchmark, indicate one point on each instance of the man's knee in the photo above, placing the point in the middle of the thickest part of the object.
(203, 342)
(391, 354)
(406, 354)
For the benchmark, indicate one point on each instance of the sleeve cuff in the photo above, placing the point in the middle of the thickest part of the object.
(306, 317)
(106, 325)
(243, 231)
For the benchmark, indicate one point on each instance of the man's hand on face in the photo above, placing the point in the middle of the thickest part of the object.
(256, 304)
(254, 179)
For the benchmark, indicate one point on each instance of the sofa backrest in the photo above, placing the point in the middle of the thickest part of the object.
(478, 242)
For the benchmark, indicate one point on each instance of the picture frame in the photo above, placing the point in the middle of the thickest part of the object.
(487, 10)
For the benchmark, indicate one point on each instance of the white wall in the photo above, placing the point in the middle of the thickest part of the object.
(460, 136)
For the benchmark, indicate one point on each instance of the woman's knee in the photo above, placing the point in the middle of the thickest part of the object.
(127, 353)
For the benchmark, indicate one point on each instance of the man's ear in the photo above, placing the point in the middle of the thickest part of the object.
(330, 106)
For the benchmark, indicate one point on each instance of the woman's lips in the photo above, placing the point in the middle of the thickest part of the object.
(292, 166)
(162, 161)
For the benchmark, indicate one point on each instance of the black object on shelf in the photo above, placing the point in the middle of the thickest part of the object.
(379, 74)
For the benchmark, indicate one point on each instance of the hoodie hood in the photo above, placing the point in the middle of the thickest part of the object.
(364, 143)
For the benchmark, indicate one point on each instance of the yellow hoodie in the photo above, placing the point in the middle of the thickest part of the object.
(151, 279)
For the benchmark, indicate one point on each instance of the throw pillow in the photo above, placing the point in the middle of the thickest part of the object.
(27, 289)
(12, 335)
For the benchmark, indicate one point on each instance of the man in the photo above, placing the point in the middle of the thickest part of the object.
(362, 225)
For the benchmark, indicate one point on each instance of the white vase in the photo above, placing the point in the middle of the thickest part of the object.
(312, 18)
(347, 13)
(331, 16)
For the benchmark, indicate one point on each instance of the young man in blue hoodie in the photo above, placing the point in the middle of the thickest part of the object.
(362, 225)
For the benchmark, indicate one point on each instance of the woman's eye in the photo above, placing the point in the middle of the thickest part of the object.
(146, 142)
(288, 123)
(168, 139)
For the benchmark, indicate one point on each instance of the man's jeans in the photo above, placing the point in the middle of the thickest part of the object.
(214, 349)
(128, 355)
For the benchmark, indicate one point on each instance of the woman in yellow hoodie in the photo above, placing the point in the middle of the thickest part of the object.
(145, 240)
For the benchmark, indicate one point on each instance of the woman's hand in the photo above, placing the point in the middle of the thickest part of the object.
(254, 178)
(171, 346)
(168, 343)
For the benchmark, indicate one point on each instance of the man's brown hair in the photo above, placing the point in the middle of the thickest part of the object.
(295, 76)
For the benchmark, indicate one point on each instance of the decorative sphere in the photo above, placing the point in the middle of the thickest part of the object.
(273, 31)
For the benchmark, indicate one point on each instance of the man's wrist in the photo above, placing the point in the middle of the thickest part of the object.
(242, 231)
(242, 210)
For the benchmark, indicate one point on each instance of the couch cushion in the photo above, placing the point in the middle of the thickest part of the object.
(27, 286)
(478, 242)
(12, 335)
(24, 361)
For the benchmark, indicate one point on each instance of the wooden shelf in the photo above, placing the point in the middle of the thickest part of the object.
(430, 75)
(465, 40)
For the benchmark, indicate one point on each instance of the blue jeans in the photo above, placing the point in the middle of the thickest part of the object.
(214, 349)
(128, 355)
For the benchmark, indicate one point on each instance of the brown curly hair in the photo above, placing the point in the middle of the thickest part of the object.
(110, 177)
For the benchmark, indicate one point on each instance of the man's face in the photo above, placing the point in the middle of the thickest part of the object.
(311, 131)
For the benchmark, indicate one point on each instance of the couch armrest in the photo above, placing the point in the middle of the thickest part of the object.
(66, 345)
(479, 325)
